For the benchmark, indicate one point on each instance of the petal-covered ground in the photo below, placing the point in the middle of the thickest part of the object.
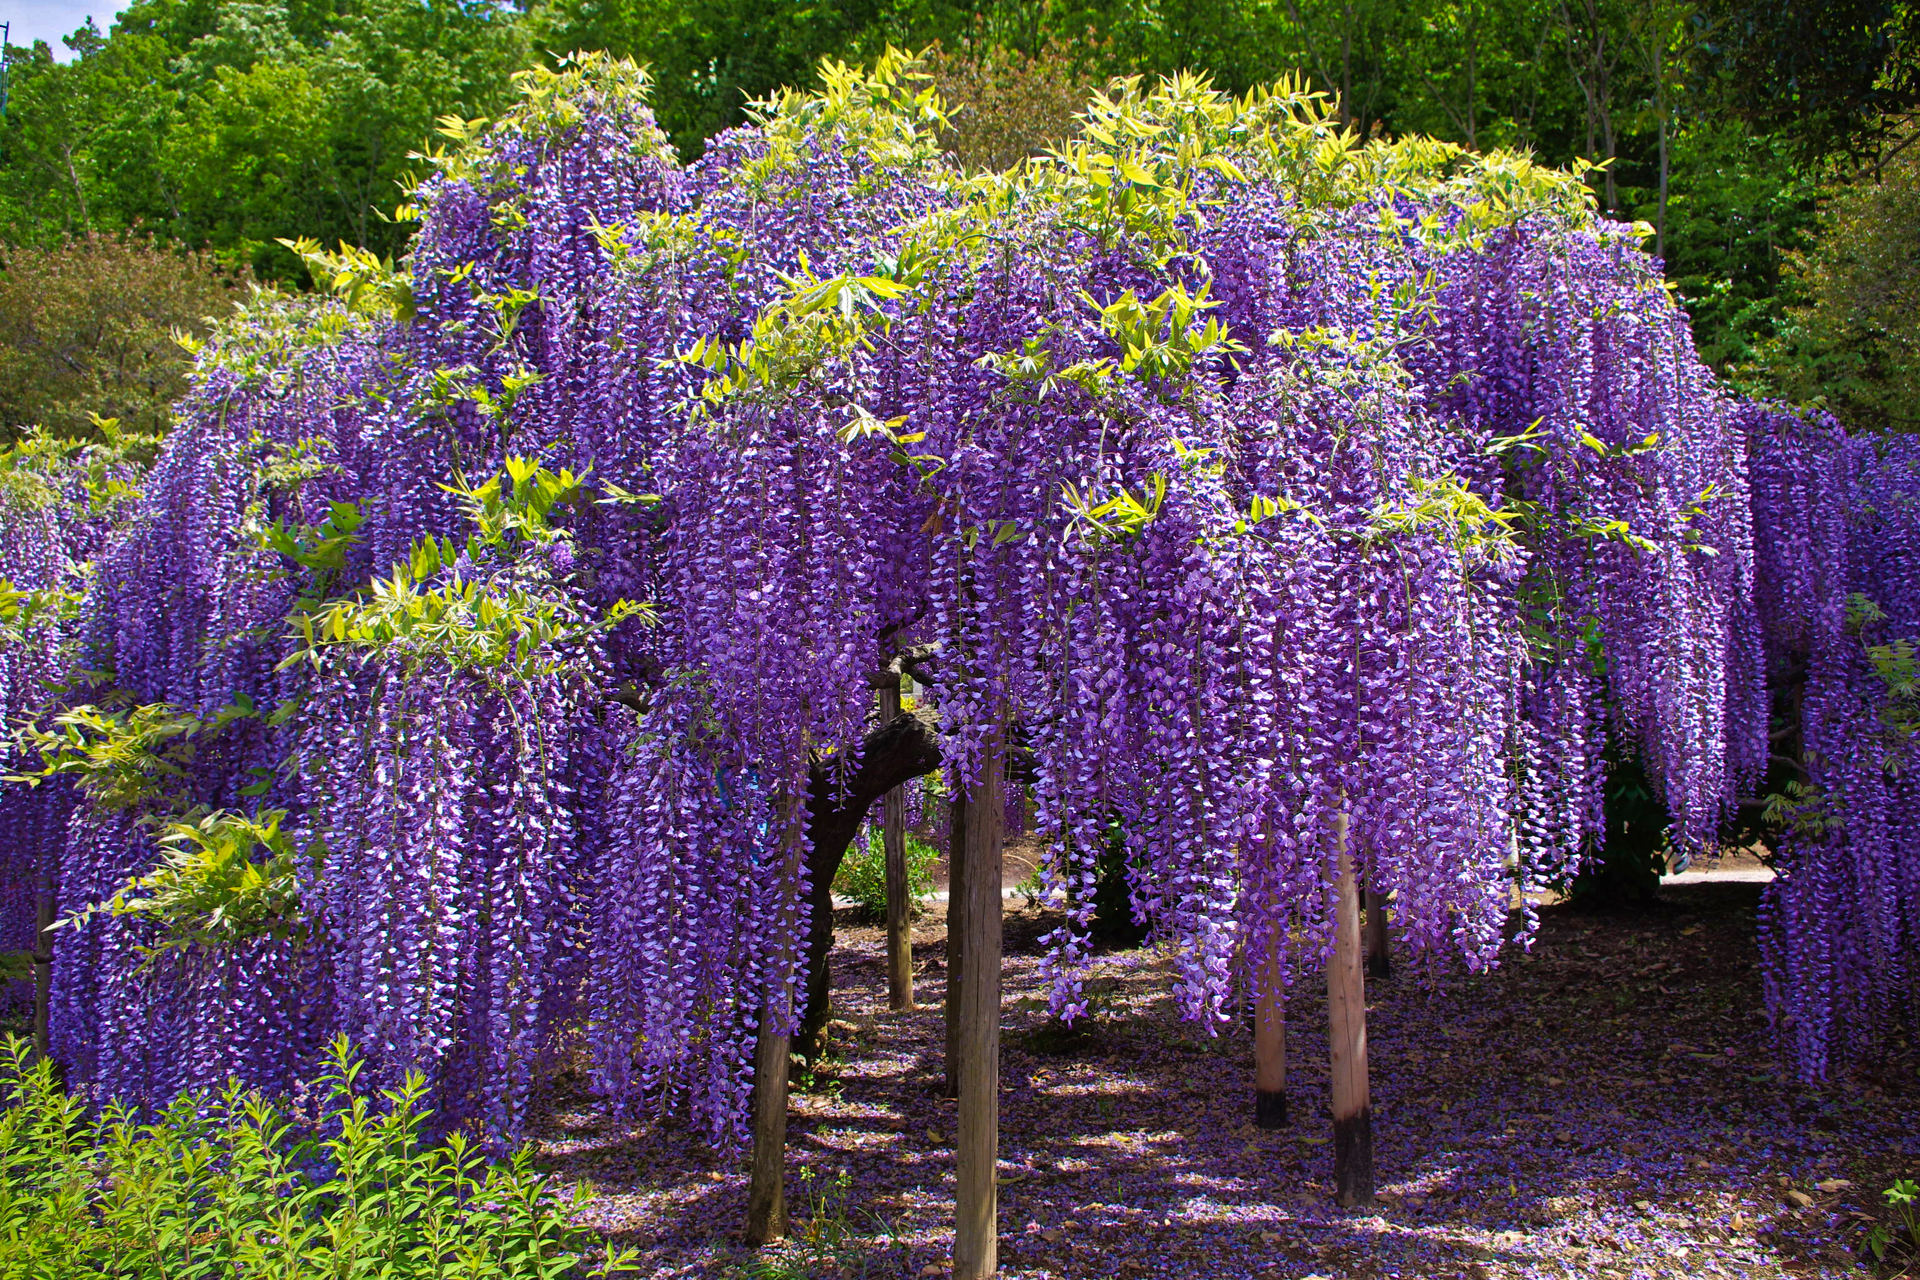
(1607, 1105)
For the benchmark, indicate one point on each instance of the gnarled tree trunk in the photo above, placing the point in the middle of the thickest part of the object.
(896, 752)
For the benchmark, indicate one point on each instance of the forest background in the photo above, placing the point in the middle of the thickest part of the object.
(150, 178)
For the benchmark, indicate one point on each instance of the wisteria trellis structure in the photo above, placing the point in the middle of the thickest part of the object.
(1258, 475)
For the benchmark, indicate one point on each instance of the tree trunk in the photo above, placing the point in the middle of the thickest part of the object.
(767, 1183)
(1347, 1030)
(977, 1149)
(837, 803)
(1587, 60)
(1604, 77)
(1270, 1045)
(43, 965)
(893, 834)
(1379, 949)
(957, 831)
(1346, 67)
(772, 1049)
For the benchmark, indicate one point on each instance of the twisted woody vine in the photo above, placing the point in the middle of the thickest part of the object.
(484, 667)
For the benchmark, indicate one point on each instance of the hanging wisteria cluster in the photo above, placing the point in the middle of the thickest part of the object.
(1281, 479)
(59, 501)
(1839, 580)
(485, 624)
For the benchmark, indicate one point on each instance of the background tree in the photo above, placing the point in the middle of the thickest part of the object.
(1008, 104)
(1832, 74)
(231, 126)
(1852, 340)
(88, 328)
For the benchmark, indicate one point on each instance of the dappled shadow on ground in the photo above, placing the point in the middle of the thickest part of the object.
(1605, 1104)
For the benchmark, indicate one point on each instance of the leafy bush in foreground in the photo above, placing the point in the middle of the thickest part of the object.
(228, 1185)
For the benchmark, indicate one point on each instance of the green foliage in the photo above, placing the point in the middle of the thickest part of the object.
(1894, 664)
(541, 102)
(1831, 73)
(711, 58)
(126, 756)
(887, 111)
(863, 874)
(208, 890)
(319, 549)
(1739, 207)
(820, 319)
(1120, 518)
(23, 612)
(1161, 338)
(1802, 809)
(49, 477)
(87, 331)
(1897, 1242)
(826, 1240)
(1625, 870)
(483, 606)
(228, 1185)
(1006, 105)
(235, 125)
(1853, 343)
(364, 282)
(241, 127)
(1445, 507)
(1114, 923)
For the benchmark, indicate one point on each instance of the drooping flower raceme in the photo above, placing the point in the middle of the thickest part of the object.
(1837, 521)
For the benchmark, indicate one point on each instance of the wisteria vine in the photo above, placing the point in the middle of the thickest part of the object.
(1840, 599)
(499, 610)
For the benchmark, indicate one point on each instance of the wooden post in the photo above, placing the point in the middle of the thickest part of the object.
(43, 965)
(977, 1149)
(767, 1181)
(1347, 1031)
(772, 1051)
(1379, 950)
(1270, 1044)
(893, 833)
(956, 932)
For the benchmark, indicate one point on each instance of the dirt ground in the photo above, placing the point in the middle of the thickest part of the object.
(1608, 1105)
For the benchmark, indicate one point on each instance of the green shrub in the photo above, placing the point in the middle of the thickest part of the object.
(226, 1185)
(863, 874)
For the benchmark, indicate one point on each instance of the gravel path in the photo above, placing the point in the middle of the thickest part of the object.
(1604, 1106)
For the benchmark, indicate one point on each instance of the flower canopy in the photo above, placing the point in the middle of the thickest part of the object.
(459, 675)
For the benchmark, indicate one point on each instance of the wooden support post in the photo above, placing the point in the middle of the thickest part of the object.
(1270, 1045)
(1347, 1030)
(977, 1149)
(772, 1052)
(1379, 950)
(767, 1181)
(893, 834)
(956, 933)
(43, 965)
